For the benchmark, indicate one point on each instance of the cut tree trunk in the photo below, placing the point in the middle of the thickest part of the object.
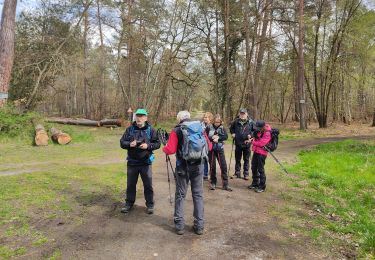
(73, 121)
(117, 122)
(41, 136)
(88, 122)
(59, 137)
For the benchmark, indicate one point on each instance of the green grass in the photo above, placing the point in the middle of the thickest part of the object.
(18, 128)
(63, 185)
(7, 252)
(16, 125)
(341, 186)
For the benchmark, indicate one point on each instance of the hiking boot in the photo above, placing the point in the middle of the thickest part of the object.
(198, 231)
(212, 186)
(150, 210)
(180, 231)
(253, 187)
(227, 188)
(237, 175)
(126, 208)
(246, 178)
(259, 190)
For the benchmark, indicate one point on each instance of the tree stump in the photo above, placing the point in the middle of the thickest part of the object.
(41, 136)
(59, 137)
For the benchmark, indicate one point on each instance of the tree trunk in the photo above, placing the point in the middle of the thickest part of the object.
(102, 66)
(259, 60)
(226, 82)
(117, 122)
(85, 54)
(373, 118)
(6, 47)
(59, 137)
(71, 121)
(301, 69)
(41, 136)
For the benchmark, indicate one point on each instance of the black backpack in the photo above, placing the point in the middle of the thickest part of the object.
(272, 144)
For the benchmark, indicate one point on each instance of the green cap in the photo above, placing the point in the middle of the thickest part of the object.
(141, 111)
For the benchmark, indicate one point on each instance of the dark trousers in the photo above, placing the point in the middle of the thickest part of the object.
(146, 175)
(242, 151)
(257, 168)
(205, 172)
(220, 156)
(184, 175)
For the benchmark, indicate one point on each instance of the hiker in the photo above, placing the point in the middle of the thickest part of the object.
(240, 129)
(262, 136)
(217, 135)
(140, 139)
(207, 121)
(189, 167)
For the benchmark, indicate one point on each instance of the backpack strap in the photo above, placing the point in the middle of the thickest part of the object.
(148, 131)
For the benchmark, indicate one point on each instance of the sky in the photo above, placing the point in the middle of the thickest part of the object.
(23, 4)
(26, 4)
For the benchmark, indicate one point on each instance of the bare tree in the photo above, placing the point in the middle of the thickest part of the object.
(6, 47)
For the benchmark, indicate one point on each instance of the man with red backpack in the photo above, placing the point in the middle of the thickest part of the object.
(190, 143)
(261, 137)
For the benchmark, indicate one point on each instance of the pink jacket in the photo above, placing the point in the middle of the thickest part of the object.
(257, 144)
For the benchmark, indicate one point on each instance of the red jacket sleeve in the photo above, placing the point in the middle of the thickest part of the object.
(264, 140)
(208, 141)
(171, 146)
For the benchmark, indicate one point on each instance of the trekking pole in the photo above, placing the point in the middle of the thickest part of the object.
(230, 160)
(169, 179)
(274, 157)
(170, 164)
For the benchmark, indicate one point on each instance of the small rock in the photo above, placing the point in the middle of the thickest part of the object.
(155, 254)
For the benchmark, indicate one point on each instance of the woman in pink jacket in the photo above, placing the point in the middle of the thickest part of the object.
(262, 136)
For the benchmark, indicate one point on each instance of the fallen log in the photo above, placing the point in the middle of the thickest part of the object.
(73, 121)
(59, 137)
(41, 136)
(105, 122)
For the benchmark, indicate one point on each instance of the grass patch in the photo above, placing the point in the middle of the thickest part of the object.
(66, 183)
(341, 186)
(7, 252)
(17, 125)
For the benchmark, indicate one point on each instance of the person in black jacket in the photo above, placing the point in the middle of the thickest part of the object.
(217, 135)
(240, 129)
(140, 139)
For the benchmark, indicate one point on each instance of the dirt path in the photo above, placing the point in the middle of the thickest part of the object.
(239, 224)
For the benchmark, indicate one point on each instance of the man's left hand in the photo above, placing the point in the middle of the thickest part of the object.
(143, 146)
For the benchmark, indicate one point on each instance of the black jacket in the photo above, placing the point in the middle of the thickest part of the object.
(211, 130)
(242, 131)
(146, 134)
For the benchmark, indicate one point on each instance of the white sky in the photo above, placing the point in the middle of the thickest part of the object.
(26, 4)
